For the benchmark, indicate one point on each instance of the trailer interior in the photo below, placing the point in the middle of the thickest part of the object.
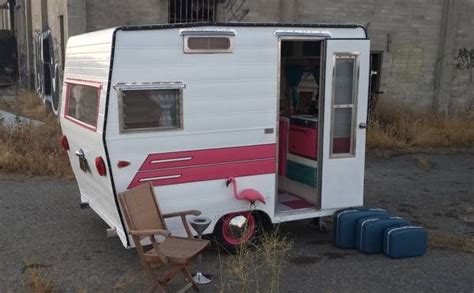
(299, 91)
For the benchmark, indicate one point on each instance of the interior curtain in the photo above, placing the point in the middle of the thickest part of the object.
(165, 100)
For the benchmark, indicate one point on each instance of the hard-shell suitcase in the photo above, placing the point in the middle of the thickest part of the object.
(370, 232)
(406, 241)
(345, 221)
(367, 220)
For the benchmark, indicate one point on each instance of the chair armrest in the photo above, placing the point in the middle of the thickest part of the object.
(182, 213)
(161, 232)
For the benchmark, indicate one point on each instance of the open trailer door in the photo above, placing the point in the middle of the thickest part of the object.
(344, 127)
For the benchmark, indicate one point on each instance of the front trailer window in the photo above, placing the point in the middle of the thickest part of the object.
(82, 104)
(150, 109)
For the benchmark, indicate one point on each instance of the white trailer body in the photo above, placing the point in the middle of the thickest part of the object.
(280, 108)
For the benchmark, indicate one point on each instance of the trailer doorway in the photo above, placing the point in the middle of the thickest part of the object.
(300, 89)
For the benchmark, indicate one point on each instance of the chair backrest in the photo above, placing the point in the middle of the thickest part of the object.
(141, 209)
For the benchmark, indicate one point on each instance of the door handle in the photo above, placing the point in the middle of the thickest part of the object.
(362, 125)
(80, 153)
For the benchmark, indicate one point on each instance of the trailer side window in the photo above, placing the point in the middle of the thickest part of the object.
(150, 109)
(208, 44)
(343, 105)
(82, 104)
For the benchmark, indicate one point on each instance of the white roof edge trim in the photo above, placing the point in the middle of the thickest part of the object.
(303, 33)
(149, 85)
(207, 32)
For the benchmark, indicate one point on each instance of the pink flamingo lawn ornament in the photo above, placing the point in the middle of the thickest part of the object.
(247, 194)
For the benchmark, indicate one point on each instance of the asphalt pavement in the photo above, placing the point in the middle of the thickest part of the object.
(43, 228)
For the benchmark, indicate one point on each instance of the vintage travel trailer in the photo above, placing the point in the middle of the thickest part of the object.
(223, 118)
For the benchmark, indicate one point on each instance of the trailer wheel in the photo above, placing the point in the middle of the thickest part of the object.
(237, 229)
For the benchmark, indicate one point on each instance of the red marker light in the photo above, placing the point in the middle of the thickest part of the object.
(100, 166)
(122, 164)
(64, 143)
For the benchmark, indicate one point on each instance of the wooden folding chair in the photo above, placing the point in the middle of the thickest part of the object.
(144, 219)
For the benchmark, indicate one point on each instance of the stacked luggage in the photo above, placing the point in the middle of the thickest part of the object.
(374, 231)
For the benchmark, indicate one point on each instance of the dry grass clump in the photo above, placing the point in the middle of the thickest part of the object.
(37, 281)
(451, 241)
(396, 127)
(26, 104)
(258, 270)
(29, 149)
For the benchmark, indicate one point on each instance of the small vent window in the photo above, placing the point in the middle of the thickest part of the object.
(208, 44)
(150, 109)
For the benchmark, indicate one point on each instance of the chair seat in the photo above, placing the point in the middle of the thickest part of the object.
(178, 250)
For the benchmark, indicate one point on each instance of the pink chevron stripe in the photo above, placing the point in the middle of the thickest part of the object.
(208, 157)
(205, 172)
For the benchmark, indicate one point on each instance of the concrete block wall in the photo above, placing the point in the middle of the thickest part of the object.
(38, 15)
(406, 31)
(110, 13)
(428, 50)
(462, 56)
(57, 8)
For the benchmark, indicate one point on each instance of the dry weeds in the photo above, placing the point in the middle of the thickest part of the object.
(257, 270)
(28, 149)
(451, 241)
(423, 162)
(26, 104)
(37, 281)
(396, 127)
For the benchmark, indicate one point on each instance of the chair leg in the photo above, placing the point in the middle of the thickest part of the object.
(152, 276)
(189, 278)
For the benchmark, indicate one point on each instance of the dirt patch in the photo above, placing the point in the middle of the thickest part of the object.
(305, 260)
(336, 255)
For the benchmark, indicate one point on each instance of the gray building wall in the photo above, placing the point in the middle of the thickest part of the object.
(418, 68)
(110, 13)
(460, 87)
(427, 45)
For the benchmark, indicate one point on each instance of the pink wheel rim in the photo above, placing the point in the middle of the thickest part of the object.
(228, 234)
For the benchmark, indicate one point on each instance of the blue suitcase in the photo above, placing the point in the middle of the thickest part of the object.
(345, 221)
(406, 241)
(365, 220)
(370, 232)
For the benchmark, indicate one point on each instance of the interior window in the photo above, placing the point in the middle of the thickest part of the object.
(208, 44)
(150, 109)
(82, 103)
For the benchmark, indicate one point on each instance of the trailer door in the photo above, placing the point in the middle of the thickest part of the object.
(344, 123)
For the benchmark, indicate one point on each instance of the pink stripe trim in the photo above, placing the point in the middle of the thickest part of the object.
(208, 156)
(202, 173)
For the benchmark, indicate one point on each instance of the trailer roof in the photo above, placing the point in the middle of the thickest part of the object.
(241, 24)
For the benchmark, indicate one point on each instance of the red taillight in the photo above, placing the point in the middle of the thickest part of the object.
(64, 143)
(122, 164)
(100, 166)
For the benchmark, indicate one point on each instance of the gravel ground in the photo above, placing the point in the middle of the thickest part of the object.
(43, 226)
